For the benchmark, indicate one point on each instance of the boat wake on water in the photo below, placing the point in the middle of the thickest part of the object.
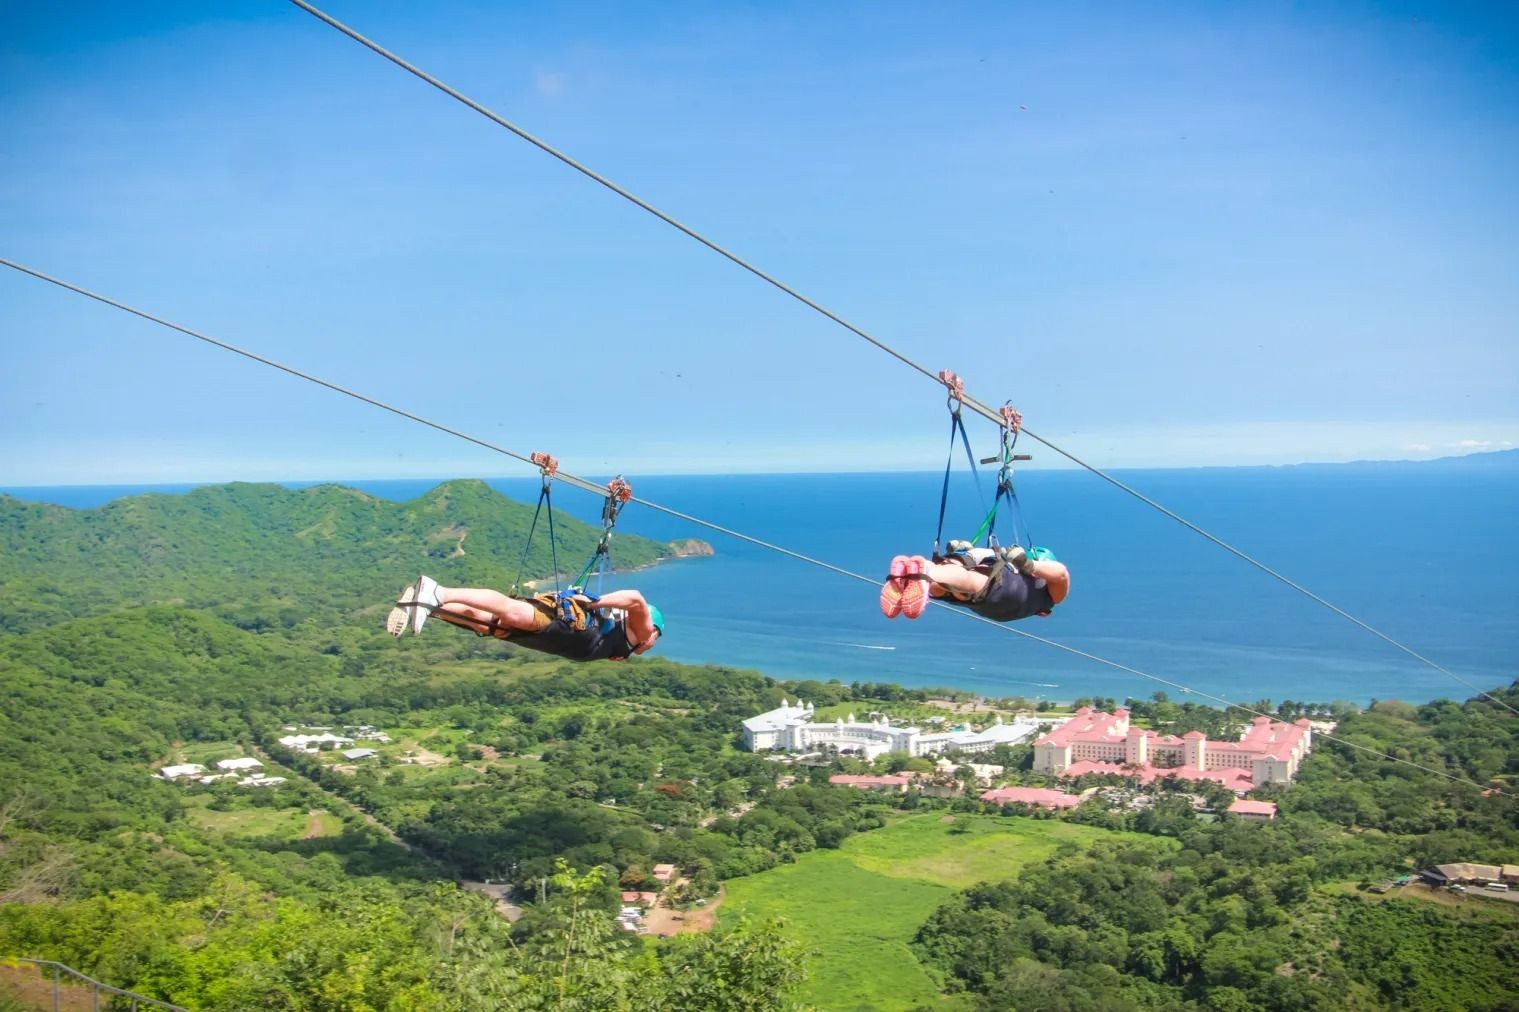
(865, 646)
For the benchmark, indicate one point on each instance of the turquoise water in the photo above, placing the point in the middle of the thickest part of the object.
(1427, 553)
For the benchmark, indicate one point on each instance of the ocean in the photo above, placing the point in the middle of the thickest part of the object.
(1426, 553)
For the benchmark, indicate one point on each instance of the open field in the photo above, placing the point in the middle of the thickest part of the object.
(857, 908)
(321, 823)
(208, 752)
(968, 850)
(285, 823)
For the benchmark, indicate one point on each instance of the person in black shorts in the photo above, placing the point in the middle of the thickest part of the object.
(1003, 585)
(572, 625)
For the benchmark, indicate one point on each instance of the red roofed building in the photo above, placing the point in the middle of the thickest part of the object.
(1258, 811)
(896, 783)
(1041, 796)
(1095, 742)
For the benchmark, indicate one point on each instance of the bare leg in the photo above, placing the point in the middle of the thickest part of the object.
(481, 609)
(953, 578)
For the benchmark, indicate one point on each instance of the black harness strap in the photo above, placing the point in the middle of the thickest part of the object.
(548, 465)
(956, 426)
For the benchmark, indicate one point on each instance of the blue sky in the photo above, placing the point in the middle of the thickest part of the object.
(1172, 234)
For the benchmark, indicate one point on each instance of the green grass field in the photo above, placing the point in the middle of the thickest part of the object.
(857, 908)
(208, 752)
(284, 823)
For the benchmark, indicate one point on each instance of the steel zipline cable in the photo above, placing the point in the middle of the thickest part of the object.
(592, 487)
(970, 402)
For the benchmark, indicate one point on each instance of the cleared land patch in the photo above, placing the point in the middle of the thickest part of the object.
(285, 823)
(857, 908)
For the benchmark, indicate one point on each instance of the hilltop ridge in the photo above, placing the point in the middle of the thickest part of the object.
(251, 546)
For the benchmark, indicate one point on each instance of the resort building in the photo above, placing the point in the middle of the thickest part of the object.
(895, 783)
(245, 763)
(1022, 729)
(983, 772)
(1253, 811)
(791, 727)
(1041, 797)
(1466, 872)
(1096, 742)
(315, 742)
(184, 770)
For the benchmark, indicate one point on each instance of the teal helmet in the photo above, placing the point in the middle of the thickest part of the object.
(659, 619)
(1041, 554)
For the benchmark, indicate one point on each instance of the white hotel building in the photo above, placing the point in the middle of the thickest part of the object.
(791, 728)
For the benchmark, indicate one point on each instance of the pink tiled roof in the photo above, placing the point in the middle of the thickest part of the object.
(1244, 807)
(1084, 766)
(1031, 796)
(1233, 778)
(1087, 725)
(858, 780)
(1274, 740)
(1264, 738)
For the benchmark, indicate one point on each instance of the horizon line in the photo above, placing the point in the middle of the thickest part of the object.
(755, 474)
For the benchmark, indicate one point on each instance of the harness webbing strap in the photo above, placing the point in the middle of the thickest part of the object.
(553, 541)
(956, 426)
(619, 492)
(522, 563)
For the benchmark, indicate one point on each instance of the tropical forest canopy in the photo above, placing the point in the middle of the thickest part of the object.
(162, 629)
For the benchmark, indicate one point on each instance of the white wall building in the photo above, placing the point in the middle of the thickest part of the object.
(769, 729)
(994, 734)
(245, 763)
(791, 727)
(315, 742)
(185, 770)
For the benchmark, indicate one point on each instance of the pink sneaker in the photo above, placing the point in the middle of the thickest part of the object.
(895, 587)
(915, 593)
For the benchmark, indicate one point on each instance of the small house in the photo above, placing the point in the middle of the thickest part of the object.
(1253, 811)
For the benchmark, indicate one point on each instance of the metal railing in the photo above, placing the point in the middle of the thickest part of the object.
(137, 1000)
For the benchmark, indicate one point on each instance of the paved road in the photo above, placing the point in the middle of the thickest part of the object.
(1507, 895)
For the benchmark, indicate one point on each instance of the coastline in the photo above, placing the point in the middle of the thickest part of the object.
(694, 549)
(1202, 623)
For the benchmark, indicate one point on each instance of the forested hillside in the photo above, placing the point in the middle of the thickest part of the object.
(1248, 916)
(267, 555)
(168, 630)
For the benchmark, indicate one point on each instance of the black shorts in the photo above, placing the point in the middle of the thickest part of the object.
(1010, 595)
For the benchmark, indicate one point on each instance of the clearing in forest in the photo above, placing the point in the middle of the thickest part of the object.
(857, 908)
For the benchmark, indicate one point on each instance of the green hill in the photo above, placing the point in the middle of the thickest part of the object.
(271, 555)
